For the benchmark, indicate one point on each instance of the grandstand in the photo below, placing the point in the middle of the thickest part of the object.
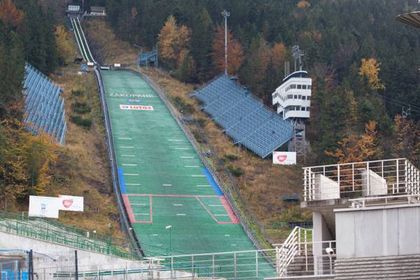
(44, 106)
(244, 118)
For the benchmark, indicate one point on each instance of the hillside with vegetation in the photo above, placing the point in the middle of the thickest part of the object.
(35, 164)
(362, 60)
(357, 99)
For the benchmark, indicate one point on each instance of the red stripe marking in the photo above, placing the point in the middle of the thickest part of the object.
(130, 212)
(229, 211)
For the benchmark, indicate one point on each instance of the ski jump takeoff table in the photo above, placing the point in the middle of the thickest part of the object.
(173, 202)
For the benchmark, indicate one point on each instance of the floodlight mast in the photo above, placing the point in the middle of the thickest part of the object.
(226, 14)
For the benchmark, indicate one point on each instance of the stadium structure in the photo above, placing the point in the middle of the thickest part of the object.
(243, 117)
(44, 106)
(181, 222)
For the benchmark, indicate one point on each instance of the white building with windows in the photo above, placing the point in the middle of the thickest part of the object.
(293, 96)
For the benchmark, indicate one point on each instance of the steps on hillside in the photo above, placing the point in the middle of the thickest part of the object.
(301, 266)
(397, 267)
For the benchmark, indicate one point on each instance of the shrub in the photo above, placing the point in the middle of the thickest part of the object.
(182, 106)
(231, 157)
(199, 137)
(81, 108)
(85, 123)
(77, 92)
(201, 122)
(235, 171)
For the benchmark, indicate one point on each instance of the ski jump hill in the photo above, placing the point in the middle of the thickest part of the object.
(171, 200)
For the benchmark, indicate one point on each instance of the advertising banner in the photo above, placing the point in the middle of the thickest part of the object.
(136, 107)
(284, 158)
(44, 206)
(71, 203)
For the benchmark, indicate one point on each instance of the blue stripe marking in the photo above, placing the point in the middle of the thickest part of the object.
(212, 182)
(121, 180)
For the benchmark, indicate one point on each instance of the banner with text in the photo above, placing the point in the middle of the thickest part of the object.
(136, 107)
(44, 206)
(285, 158)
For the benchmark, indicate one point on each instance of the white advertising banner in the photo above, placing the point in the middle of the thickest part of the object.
(44, 206)
(285, 158)
(136, 107)
(71, 203)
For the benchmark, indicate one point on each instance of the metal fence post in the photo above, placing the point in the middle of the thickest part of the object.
(212, 264)
(172, 267)
(234, 263)
(256, 264)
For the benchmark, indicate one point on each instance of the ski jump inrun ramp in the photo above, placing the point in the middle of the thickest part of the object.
(173, 203)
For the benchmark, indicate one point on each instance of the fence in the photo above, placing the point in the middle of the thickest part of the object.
(255, 264)
(351, 180)
(54, 232)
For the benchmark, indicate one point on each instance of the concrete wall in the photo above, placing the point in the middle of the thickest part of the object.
(320, 233)
(373, 184)
(325, 188)
(378, 231)
(64, 256)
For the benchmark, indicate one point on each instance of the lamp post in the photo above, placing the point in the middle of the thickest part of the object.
(225, 14)
(170, 238)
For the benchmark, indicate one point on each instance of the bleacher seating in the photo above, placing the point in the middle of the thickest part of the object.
(244, 118)
(44, 106)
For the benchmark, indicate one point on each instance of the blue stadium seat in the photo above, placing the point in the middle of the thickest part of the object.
(244, 118)
(44, 106)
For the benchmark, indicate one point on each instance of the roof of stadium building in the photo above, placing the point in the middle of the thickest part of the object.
(412, 18)
(244, 117)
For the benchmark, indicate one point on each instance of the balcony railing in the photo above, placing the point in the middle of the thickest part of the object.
(361, 179)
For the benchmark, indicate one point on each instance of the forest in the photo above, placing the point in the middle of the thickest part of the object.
(27, 34)
(364, 64)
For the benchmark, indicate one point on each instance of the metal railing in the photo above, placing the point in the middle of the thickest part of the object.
(253, 264)
(384, 200)
(57, 233)
(351, 180)
(316, 259)
(292, 247)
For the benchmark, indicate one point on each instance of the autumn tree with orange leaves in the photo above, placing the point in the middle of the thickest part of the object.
(354, 148)
(235, 52)
(369, 69)
(173, 42)
(9, 14)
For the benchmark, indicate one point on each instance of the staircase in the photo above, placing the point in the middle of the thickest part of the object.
(395, 268)
(301, 265)
(294, 256)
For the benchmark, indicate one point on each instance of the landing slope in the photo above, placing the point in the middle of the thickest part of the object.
(162, 179)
